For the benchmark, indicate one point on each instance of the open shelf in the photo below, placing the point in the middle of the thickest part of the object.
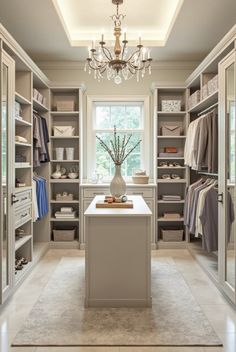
(64, 201)
(65, 113)
(171, 137)
(19, 122)
(171, 113)
(17, 144)
(65, 137)
(64, 219)
(22, 166)
(162, 219)
(66, 180)
(39, 106)
(161, 180)
(64, 161)
(19, 243)
(205, 103)
(21, 99)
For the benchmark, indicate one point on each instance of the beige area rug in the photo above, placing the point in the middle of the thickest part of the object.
(60, 319)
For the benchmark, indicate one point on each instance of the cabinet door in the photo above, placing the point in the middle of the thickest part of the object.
(227, 174)
(6, 175)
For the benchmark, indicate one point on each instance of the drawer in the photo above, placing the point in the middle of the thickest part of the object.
(93, 192)
(144, 192)
(22, 198)
(22, 216)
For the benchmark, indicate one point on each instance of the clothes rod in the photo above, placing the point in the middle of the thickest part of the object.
(207, 174)
(207, 109)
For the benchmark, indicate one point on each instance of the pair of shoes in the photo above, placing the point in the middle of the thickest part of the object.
(166, 164)
(170, 177)
(19, 263)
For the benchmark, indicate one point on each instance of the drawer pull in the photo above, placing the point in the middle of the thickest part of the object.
(98, 194)
(13, 199)
(138, 193)
(24, 215)
(24, 199)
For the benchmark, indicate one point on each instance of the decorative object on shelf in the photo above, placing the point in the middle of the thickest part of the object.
(121, 64)
(63, 131)
(19, 183)
(60, 171)
(18, 110)
(19, 158)
(73, 172)
(170, 150)
(64, 197)
(96, 178)
(171, 105)
(70, 153)
(118, 153)
(140, 177)
(20, 139)
(167, 130)
(39, 97)
(60, 153)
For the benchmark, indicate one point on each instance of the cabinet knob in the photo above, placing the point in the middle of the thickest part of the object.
(220, 197)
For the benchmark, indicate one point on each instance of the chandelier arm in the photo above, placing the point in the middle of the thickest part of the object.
(98, 61)
(105, 50)
(94, 67)
(138, 51)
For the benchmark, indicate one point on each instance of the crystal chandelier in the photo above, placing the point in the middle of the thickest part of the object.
(118, 64)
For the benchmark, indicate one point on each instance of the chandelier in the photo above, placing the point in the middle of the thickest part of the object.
(118, 64)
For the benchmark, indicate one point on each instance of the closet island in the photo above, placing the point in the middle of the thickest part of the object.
(118, 255)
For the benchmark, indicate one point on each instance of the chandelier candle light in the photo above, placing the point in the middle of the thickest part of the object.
(118, 152)
(120, 64)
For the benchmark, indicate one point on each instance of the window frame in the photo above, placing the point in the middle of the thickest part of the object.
(91, 140)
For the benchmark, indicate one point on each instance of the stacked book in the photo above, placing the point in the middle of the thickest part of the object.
(65, 213)
(171, 198)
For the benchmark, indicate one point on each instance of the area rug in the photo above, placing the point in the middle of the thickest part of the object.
(60, 319)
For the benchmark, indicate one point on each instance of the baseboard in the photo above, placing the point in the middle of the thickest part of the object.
(118, 303)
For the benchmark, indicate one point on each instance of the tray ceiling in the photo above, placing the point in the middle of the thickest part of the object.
(85, 20)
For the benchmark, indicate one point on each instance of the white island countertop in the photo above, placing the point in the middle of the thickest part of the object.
(140, 208)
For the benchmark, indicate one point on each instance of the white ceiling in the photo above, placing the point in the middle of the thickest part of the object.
(83, 20)
(199, 26)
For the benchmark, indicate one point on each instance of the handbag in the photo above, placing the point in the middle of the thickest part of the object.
(171, 130)
(63, 131)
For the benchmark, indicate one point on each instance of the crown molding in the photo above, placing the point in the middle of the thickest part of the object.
(79, 65)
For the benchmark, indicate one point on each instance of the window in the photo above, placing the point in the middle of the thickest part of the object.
(231, 109)
(129, 118)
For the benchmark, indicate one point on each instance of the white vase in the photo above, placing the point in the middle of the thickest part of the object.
(117, 185)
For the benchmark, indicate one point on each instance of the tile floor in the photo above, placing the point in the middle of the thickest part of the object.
(218, 311)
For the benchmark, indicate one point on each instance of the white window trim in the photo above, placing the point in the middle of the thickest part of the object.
(146, 121)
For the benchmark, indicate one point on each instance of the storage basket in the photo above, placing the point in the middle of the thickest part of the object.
(64, 234)
(204, 91)
(171, 105)
(140, 179)
(64, 198)
(59, 153)
(65, 105)
(174, 130)
(213, 85)
(70, 153)
(172, 235)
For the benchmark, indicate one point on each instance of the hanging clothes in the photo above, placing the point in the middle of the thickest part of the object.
(41, 140)
(40, 204)
(201, 212)
(201, 147)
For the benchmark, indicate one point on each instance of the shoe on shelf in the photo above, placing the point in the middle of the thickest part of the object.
(163, 164)
(176, 164)
(166, 177)
(175, 177)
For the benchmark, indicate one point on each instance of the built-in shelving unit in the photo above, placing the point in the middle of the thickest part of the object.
(62, 118)
(167, 139)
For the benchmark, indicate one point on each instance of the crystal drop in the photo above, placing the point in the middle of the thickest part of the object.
(117, 79)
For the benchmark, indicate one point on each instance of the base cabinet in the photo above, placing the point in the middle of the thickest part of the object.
(87, 193)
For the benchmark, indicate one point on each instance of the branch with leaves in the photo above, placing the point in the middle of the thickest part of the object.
(119, 147)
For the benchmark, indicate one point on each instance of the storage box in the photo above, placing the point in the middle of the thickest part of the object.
(212, 85)
(140, 179)
(204, 91)
(64, 234)
(194, 99)
(171, 105)
(171, 130)
(63, 131)
(64, 197)
(65, 105)
(172, 235)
